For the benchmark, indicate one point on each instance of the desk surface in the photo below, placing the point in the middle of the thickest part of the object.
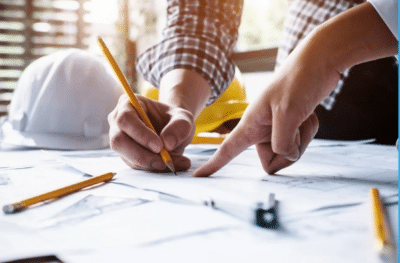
(324, 210)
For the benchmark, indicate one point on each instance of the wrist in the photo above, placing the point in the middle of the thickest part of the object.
(185, 89)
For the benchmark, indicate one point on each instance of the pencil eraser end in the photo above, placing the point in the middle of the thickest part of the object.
(8, 209)
(387, 254)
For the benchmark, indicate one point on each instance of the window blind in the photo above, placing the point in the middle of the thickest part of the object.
(30, 29)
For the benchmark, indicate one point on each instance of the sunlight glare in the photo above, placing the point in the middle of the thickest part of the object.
(102, 12)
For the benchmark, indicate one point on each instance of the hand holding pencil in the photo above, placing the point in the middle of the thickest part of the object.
(148, 134)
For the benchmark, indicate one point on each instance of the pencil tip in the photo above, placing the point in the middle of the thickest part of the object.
(170, 165)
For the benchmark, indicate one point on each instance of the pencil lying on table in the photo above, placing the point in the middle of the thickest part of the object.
(132, 98)
(15, 207)
(383, 242)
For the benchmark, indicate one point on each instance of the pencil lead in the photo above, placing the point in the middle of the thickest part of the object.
(171, 166)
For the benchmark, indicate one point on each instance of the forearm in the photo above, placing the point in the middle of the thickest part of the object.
(186, 89)
(200, 36)
(350, 38)
(354, 37)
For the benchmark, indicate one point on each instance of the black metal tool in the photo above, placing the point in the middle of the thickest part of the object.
(261, 214)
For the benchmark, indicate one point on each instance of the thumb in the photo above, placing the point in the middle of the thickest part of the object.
(285, 139)
(178, 129)
(236, 142)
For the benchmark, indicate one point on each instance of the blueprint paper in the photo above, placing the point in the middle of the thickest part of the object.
(328, 173)
(323, 207)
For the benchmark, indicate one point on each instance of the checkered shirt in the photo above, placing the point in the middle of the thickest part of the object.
(302, 17)
(200, 35)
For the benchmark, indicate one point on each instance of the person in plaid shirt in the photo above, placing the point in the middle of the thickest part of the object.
(191, 66)
(363, 104)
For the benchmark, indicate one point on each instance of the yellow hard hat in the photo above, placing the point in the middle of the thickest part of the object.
(221, 116)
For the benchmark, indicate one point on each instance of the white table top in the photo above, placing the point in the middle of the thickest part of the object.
(324, 210)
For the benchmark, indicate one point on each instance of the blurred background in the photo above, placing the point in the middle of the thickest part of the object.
(30, 29)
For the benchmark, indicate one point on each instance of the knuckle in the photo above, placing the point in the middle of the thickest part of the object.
(123, 119)
(117, 140)
(290, 109)
(183, 128)
(123, 99)
(111, 116)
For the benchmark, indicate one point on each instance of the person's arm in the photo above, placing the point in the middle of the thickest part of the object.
(356, 36)
(185, 89)
(200, 36)
(182, 89)
(191, 67)
(281, 121)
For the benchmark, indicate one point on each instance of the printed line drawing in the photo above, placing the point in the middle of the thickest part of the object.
(91, 206)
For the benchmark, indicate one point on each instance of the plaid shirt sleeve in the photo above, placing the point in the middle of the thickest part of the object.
(200, 35)
(302, 17)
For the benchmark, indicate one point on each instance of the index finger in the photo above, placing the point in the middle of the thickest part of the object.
(233, 145)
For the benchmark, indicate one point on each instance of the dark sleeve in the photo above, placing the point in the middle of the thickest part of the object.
(200, 35)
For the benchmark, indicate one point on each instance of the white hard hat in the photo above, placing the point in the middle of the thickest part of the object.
(61, 102)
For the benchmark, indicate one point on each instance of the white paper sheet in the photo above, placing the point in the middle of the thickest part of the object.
(323, 207)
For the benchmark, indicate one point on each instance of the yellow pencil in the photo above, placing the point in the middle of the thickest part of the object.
(132, 98)
(11, 208)
(383, 242)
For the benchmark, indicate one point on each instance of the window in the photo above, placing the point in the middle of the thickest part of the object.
(30, 29)
(259, 37)
(262, 24)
